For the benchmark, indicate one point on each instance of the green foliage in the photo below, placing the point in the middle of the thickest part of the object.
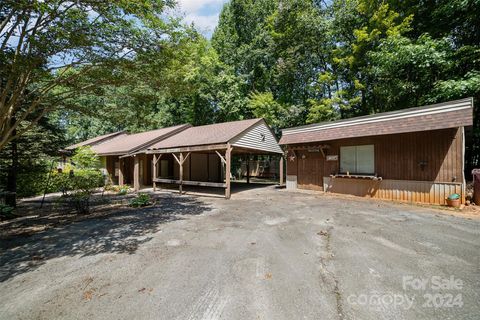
(77, 186)
(263, 105)
(323, 110)
(120, 190)
(60, 50)
(85, 157)
(291, 62)
(84, 180)
(141, 200)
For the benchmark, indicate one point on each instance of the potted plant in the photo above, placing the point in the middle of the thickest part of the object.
(453, 200)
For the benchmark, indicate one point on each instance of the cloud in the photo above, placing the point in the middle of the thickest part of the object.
(192, 6)
(204, 24)
(203, 13)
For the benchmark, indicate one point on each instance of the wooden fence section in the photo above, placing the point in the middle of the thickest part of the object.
(401, 190)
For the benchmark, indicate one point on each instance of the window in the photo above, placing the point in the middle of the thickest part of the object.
(357, 159)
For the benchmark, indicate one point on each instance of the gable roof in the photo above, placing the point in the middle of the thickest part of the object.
(95, 140)
(122, 143)
(445, 115)
(134, 142)
(218, 133)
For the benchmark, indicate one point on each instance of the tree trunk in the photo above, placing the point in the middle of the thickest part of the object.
(11, 197)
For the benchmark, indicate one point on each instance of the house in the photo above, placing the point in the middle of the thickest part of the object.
(183, 155)
(414, 154)
(202, 150)
(116, 151)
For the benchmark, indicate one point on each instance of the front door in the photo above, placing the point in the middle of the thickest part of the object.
(310, 170)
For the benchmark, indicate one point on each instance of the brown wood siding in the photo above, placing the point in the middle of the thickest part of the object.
(399, 157)
(310, 168)
(401, 190)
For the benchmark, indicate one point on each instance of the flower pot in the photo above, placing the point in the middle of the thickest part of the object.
(453, 203)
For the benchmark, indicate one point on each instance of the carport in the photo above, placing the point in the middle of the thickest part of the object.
(202, 156)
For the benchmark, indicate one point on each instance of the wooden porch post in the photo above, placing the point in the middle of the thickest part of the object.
(281, 170)
(180, 163)
(136, 173)
(120, 171)
(228, 161)
(248, 168)
(154, 172)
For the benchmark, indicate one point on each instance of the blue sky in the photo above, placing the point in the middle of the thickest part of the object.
(204, 13)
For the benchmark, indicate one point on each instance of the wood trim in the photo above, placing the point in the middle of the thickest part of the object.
(221, 157)
(306, 147)
(136, 173)
(228, 158)
(121, 171)
(158, 159)
(210, 147)
(192, 183)
(175, 157)
(281, 171)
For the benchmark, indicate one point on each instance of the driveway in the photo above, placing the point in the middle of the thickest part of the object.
(264, 254)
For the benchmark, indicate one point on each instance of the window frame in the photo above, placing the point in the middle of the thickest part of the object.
(356, 171)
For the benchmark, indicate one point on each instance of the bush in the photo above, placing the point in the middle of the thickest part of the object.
(142, 200)
(79, 179)
(120, 190)
(77, 185)
(85, 157)
(80, 201)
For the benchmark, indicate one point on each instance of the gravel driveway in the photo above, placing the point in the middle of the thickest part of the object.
(264, 254)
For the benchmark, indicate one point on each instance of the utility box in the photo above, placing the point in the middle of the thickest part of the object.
(476, 186)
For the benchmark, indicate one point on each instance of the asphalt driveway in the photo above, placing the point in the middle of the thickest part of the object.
(264, 254)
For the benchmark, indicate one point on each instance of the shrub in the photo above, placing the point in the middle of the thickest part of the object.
(80, 201)
(120, 190)
(142, 200)
(77, 186)
(123, 190)
(85, 157)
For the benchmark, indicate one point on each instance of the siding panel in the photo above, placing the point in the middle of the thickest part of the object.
(400, 190)
(258, 137)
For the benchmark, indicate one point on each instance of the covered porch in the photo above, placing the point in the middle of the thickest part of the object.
(201, 168)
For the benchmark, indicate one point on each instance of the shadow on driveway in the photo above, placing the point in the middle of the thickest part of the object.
(121, 231)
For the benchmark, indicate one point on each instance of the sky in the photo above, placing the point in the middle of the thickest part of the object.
(203, 13)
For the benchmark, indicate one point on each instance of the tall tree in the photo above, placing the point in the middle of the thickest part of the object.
(45, 45)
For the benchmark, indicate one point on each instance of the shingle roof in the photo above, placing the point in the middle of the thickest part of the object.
(119, 143)
(133, 142)
(450, 114)
(96, 140)
(206, 135)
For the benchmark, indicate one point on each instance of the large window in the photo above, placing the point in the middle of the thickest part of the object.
(357, 159)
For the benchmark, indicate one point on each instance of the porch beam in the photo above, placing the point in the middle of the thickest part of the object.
(176, 159)
(211, 147)
(221, 157)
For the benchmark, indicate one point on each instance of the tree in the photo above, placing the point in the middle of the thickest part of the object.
(46, 46)
(25, 161)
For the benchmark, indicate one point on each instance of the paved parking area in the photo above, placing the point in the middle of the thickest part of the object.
(264, 254)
